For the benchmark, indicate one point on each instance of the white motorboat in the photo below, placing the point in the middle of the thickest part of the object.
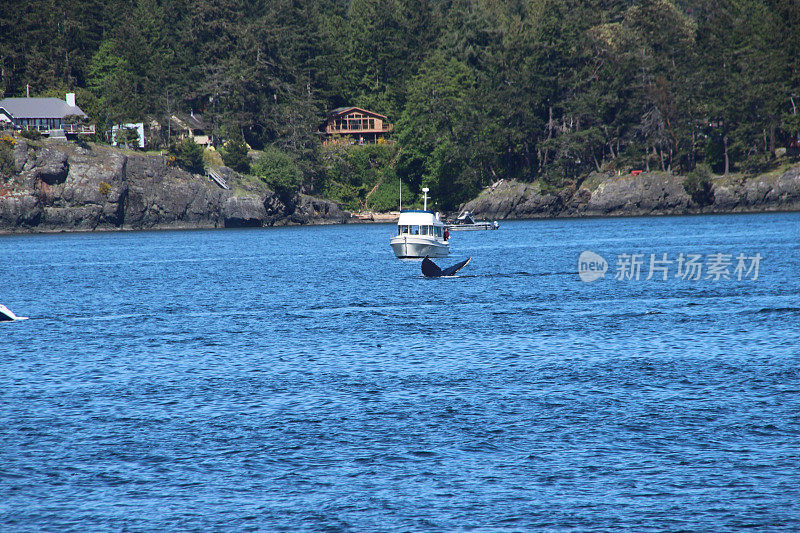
(6, 315)
(466, 222)
(420, 233)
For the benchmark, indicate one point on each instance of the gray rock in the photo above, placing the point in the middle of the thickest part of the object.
(21, 154)
(311, 210)
(654, 193)
(51, 166)
(645, 194)
(22, 211)
(244, 211)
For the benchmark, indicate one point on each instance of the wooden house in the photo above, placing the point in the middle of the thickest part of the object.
(192, 126)
(354, 125)
(50, 116)
(159, 131)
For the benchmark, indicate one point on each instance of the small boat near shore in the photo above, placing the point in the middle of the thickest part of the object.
(420, 233)
(466, 222)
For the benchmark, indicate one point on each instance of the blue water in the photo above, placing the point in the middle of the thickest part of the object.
(303, 379)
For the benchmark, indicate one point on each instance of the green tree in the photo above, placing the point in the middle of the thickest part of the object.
(698, 186)
(188, 155)
(111, 80)
(279, 171)
(127, 137)
(235, 153)
(438, 133)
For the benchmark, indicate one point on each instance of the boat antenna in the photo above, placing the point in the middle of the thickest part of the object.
(425, 198)
(401, 195)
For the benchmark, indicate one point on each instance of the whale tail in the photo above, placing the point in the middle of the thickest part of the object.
(6, 315)
(432, 270)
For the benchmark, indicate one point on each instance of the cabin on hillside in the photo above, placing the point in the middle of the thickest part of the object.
(354, 125)
(180, 126)
(192, 126)
(50, 116)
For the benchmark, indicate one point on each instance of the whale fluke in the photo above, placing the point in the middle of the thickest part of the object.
(6, 315)
(431, 270)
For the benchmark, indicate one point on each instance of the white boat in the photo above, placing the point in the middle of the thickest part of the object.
(420, 233)
(466, 222)
(6, 315)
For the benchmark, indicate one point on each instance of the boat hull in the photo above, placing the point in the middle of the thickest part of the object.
(415, 247)
(479, 226)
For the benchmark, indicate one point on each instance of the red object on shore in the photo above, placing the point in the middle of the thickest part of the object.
(635, 172)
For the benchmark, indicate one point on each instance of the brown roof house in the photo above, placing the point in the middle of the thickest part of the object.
(192, 126)
(354, 125)
(180, 126)
(50, 116)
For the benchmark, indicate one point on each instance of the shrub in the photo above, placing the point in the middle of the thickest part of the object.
(279, 171)
(235, 153)
(352, 173)
(127, 137)
(188, 155)
(30, 134)
(756, 164)
(697, 185)
(7, 155)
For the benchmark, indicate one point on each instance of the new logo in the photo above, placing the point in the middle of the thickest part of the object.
(591, 266)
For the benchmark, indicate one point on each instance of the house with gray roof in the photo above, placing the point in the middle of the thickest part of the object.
(50, 116)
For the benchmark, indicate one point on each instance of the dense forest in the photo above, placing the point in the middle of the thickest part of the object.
(479, 90)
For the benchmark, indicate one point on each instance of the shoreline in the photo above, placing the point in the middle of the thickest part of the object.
(61, 187)
(189, 227)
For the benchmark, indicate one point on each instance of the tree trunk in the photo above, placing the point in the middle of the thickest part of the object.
(772, 141)
(725, 148)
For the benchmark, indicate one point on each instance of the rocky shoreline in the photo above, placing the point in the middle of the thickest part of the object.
(646, 194)
(62, 186)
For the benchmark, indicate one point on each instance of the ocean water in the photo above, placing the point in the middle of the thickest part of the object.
(303, 379)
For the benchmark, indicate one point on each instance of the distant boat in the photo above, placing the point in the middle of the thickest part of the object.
(466, 222)
(6, 315)
(420, 233)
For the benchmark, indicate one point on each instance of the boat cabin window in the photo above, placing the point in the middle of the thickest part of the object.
(438, 230)
(414, 230)
(402, 229)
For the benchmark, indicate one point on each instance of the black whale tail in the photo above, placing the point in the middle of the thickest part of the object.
(431, 270)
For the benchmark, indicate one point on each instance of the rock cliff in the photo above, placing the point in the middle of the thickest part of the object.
(653, 193)
(61, 186)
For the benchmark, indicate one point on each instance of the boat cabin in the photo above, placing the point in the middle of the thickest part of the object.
(419, 222)
(436, 231)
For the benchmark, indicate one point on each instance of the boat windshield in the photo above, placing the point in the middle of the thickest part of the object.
(405, 229)
(408, 230)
